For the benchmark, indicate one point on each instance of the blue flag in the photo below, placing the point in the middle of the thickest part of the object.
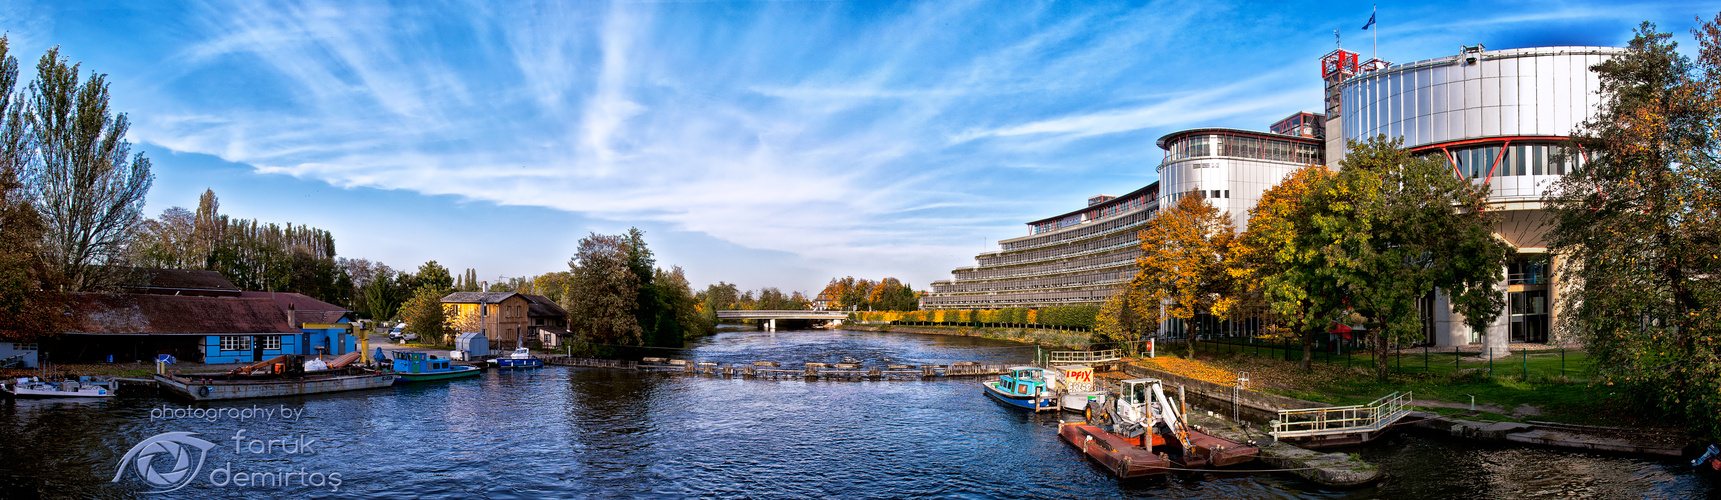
(1370, 22)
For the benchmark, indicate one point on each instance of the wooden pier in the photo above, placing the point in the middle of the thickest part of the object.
(777, 370)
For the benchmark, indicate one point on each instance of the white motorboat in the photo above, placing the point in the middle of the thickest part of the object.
(32, 387)
(521, 358)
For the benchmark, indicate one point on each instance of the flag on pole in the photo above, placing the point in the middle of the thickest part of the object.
(1370, 22)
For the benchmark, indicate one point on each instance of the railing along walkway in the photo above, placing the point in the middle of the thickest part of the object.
(1339, 420)
(1085, 357)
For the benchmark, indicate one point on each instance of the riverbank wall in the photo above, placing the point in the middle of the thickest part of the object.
(1041, 336)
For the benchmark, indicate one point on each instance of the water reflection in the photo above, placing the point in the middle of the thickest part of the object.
(560, 432)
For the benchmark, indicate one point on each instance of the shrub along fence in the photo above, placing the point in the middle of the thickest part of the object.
(1523, 363)
(1068, 318)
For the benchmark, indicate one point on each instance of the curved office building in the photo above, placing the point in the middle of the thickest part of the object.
(1496, 117)
(1075, 258)
(1083, 256)
(1232, 167)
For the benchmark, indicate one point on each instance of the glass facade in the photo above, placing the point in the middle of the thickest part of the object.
(1529, 315)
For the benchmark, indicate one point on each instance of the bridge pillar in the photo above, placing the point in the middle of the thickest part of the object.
(772, 326)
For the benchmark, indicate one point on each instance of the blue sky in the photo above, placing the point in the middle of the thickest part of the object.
(759, 143)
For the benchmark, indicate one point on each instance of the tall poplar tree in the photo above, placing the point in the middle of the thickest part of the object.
(89, 187)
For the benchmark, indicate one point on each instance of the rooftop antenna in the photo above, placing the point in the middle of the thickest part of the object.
(1337, 42)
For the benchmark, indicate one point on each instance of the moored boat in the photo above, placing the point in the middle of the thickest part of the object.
(1025, 387)
(32, 387)
(1075, 385)
(520, 358)
(1124, 457)
(282, 376)
(1145, 421)
(411, 367)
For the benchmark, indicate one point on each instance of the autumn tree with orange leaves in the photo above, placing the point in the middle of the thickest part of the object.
(1276, 266)
(1639, 227)
(1184, 250)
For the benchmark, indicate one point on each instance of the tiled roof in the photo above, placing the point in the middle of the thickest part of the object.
(305, 308)
(183, 282)
(543, 306)
(475, 297)
(131, 313)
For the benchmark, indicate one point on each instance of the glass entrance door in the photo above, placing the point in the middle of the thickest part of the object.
(1529, 311)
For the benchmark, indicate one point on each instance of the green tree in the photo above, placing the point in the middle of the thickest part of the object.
(649, 306)
(1394, 228)
(603, 292)
(1278, 260)
(433, 275)
(1639, 229)
(721, 296)
(89, 187)
(426, 315)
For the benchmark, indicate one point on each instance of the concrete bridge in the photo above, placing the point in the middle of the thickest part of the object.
(771, 316)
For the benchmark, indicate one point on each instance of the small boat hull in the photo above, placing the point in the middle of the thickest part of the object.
(451, 374)
(517, 363)
(1077, 401)
(1116, 454)
(83, 393)
(218, 387)
(1024, 401)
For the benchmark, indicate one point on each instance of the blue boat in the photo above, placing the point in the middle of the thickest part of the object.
(521, 358)
(1025, 387)
(421, 367)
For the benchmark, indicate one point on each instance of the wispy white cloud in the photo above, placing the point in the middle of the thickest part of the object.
(822, 130)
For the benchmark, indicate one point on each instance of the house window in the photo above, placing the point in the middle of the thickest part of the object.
(272, 342)
(235, 343)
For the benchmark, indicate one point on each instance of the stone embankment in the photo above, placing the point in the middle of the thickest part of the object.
(1258, 407)
(1558, 435)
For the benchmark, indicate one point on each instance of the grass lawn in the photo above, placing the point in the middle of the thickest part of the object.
(1539, 386)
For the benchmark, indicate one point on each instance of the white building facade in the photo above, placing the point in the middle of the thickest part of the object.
(1497, 118)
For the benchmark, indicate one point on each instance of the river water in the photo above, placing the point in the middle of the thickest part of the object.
(579, 432)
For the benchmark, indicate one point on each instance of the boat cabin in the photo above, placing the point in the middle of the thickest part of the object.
(418, 362)
(1134, 391)
(1023, 380)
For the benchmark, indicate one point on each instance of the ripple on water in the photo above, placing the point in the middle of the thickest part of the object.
(560, 432)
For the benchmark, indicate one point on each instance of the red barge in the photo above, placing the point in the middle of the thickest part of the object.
(1147, 435)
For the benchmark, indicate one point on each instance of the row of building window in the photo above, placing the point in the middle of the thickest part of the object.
(1210, 193)
(1519, 159)
(1065, 266)
(243, 342)
(1244, 146)
(1092, 229)
(1071, 250)
(1091, 215)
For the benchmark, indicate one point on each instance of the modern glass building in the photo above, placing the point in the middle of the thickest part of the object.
(1084, 256)
(1232, 167)
(1496, 117)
